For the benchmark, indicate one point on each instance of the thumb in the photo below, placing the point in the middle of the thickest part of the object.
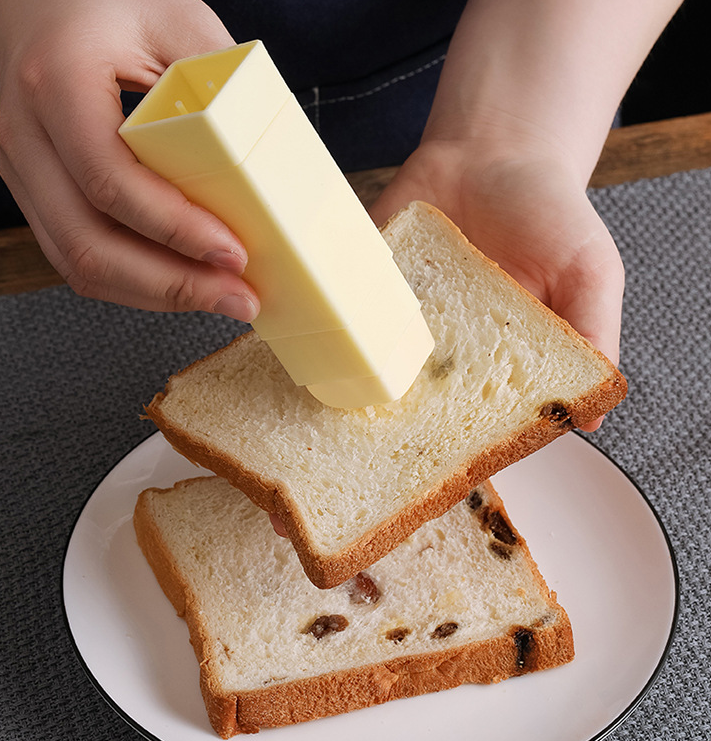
(596, 309)
(592, 301)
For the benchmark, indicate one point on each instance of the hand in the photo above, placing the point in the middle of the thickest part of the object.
(110, 227)
(529, 212)
(523, 106)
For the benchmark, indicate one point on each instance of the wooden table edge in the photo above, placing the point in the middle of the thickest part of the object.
(630, 153)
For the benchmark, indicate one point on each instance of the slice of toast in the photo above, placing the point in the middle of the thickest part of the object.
(506, 377)
(461, 600)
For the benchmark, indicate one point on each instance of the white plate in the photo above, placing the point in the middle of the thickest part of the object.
(597, 541)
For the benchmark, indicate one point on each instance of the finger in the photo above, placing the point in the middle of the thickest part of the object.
(100, 258)
(593, 426)
(147, 275)
(595, 314)
(596, 309)
(108, 262)
(114, 183)
(398, 193)
(590, 298)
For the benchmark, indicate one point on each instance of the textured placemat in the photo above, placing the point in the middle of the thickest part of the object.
(75, 373)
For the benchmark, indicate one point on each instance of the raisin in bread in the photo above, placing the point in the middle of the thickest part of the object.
(506, 377)
(273, 649)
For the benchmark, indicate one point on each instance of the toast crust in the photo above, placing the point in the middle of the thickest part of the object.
(338, 692)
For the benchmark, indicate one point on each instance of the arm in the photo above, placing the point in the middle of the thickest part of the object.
(110, 227)
(526, 98)
(557, 69)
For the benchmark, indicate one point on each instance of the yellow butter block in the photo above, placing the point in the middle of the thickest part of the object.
(392, 381)
(225, 129)
(362, 348)
(206, 113)
(314, 250)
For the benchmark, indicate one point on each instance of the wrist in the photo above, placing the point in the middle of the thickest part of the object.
(548, 74)
(504, 119)
(498, 144)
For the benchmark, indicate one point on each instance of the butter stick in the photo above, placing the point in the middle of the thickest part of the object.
(225, 129)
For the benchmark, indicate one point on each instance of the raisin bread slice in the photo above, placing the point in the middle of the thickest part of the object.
(461, 600)
(506, 377)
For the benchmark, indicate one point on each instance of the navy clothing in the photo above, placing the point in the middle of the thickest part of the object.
(330, 42)
(377, 120)
(365, 71)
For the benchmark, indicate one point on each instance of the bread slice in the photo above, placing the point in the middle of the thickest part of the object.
(506, 377)
(274, 649)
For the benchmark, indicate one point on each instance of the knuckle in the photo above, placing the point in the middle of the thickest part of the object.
(39, 71)
(17, 93)
(81, 286)
(171, 235)
(84, 266)
(33, 69)
(174, 232)
(45, 59)
(103, 189)
(180, 294)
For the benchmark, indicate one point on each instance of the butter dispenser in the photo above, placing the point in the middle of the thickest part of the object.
(335, 309)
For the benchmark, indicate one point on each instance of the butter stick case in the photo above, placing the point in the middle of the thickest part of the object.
(335, 309)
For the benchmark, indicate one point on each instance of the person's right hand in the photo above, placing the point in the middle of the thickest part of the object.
(111, 228)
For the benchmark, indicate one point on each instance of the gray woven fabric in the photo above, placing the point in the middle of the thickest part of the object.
(75, 373)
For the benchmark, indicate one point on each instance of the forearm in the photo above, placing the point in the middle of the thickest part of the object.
(548, 73)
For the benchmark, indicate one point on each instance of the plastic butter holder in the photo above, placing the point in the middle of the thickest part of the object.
(335, 309)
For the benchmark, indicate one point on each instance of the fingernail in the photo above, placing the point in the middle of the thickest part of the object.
(232, 261)
(236, 307)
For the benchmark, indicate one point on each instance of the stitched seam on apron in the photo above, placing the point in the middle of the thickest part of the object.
(346, 98)
(315, 104)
